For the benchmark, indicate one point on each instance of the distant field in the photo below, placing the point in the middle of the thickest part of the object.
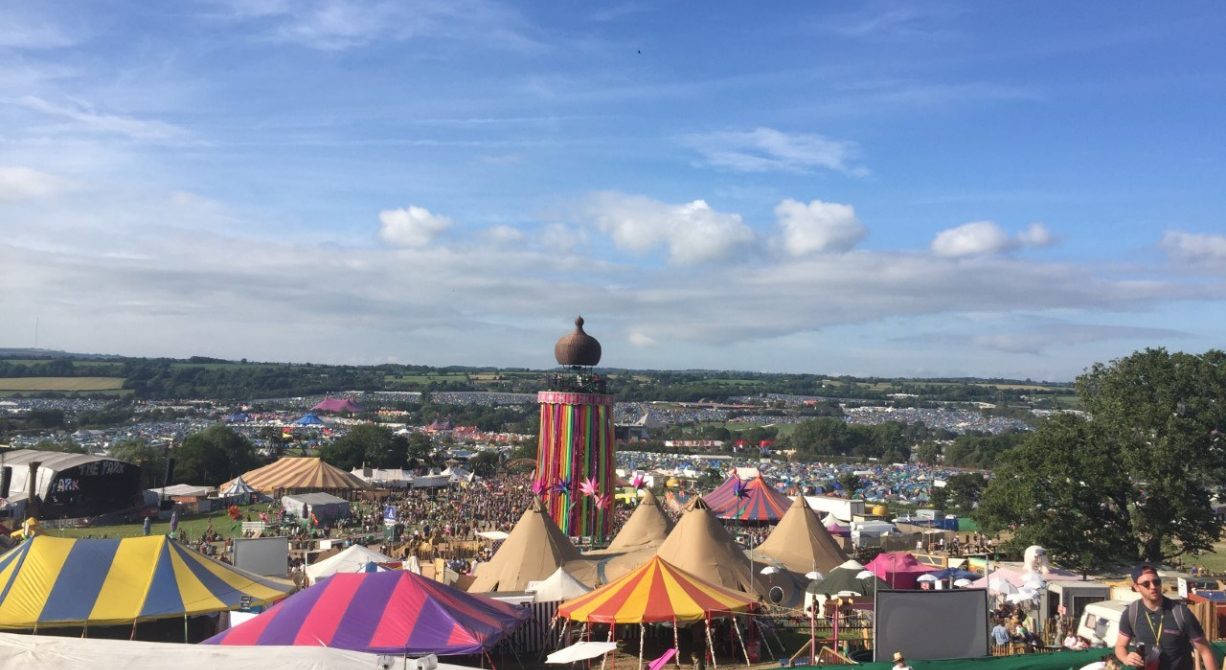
(736, 382)
(61, 383)
(427, 378)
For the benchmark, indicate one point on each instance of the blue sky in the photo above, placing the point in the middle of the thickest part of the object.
(879, 188)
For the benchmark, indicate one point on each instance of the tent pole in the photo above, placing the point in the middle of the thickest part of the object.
(614, 652)
(737, 628)
(711, 645)
(185, 628)
(133, 636)
(85, 629)
(642, 635)
(676, 645)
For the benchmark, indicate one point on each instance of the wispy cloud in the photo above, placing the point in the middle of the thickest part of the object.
(770, 150)
(89, 120)
(22, 183)
(19, 31)
(336, 25)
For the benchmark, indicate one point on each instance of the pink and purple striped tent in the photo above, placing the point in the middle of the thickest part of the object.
(760, 501)
(392, 612)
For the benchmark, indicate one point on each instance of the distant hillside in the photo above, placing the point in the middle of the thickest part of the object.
(212, 378)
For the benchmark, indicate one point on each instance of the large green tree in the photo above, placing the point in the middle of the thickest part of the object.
(1062, 489)
(150, 458)
(1133, 480)
(1165, 414)
(367, 445)
(213, 456)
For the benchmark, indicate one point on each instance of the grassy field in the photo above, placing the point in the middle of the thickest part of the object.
(194, 526)
(1214, 562)
(61, 383)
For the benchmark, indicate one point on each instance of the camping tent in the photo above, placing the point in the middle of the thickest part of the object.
(353, 559)
(297, 473)
(648, 526)
(559, 586)
(336, 405)
(700, 546)
(657, 592)
(53, 581)
(762, 502)
(899, 569)
(535, 548)
(394, 612)
(23, 652)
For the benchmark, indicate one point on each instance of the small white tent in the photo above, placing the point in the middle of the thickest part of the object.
(353, 559)
(558, 586)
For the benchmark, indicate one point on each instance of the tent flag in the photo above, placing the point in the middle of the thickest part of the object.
(393, 612)
(656, 592)
(54, 581)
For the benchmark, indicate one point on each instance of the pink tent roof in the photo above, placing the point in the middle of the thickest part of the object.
(337, 405)
(393, 612)
(899, 569)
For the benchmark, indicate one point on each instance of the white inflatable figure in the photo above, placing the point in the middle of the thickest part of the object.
(1035, 560)
(1035, 568)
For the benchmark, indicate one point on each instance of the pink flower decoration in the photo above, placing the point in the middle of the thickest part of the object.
(639, 481)
(603, 501)
(539, 487)
(588, 487)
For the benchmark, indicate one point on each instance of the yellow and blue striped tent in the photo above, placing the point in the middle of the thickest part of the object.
(53, 581)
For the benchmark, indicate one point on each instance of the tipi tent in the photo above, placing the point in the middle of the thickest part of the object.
(353, 559)
(700, 546)
(532, 552)
(801, 543)
(296, 473)
(559, 586)
(55, 581)
(394, 612)
(648, 526)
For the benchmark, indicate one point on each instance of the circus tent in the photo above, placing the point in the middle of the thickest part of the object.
(759, 502)
(657, 592)
(801, 543)
(238, 487)
(52, 581)
(535, 548)
(296, 473)
(648, 526)
(899, 569)
(309, 419)
(394, 612)
(336, 405)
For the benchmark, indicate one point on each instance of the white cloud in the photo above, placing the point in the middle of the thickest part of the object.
(640, 339)
(89, 120)
(976, 238)
(1195, 249)
(693, 232)
(984, 238)
(558, 237)
(23, 183)
(411, 227)
(1036, 235)
(23, 32)
(504, 233)
(818, 227)
(770, 150)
